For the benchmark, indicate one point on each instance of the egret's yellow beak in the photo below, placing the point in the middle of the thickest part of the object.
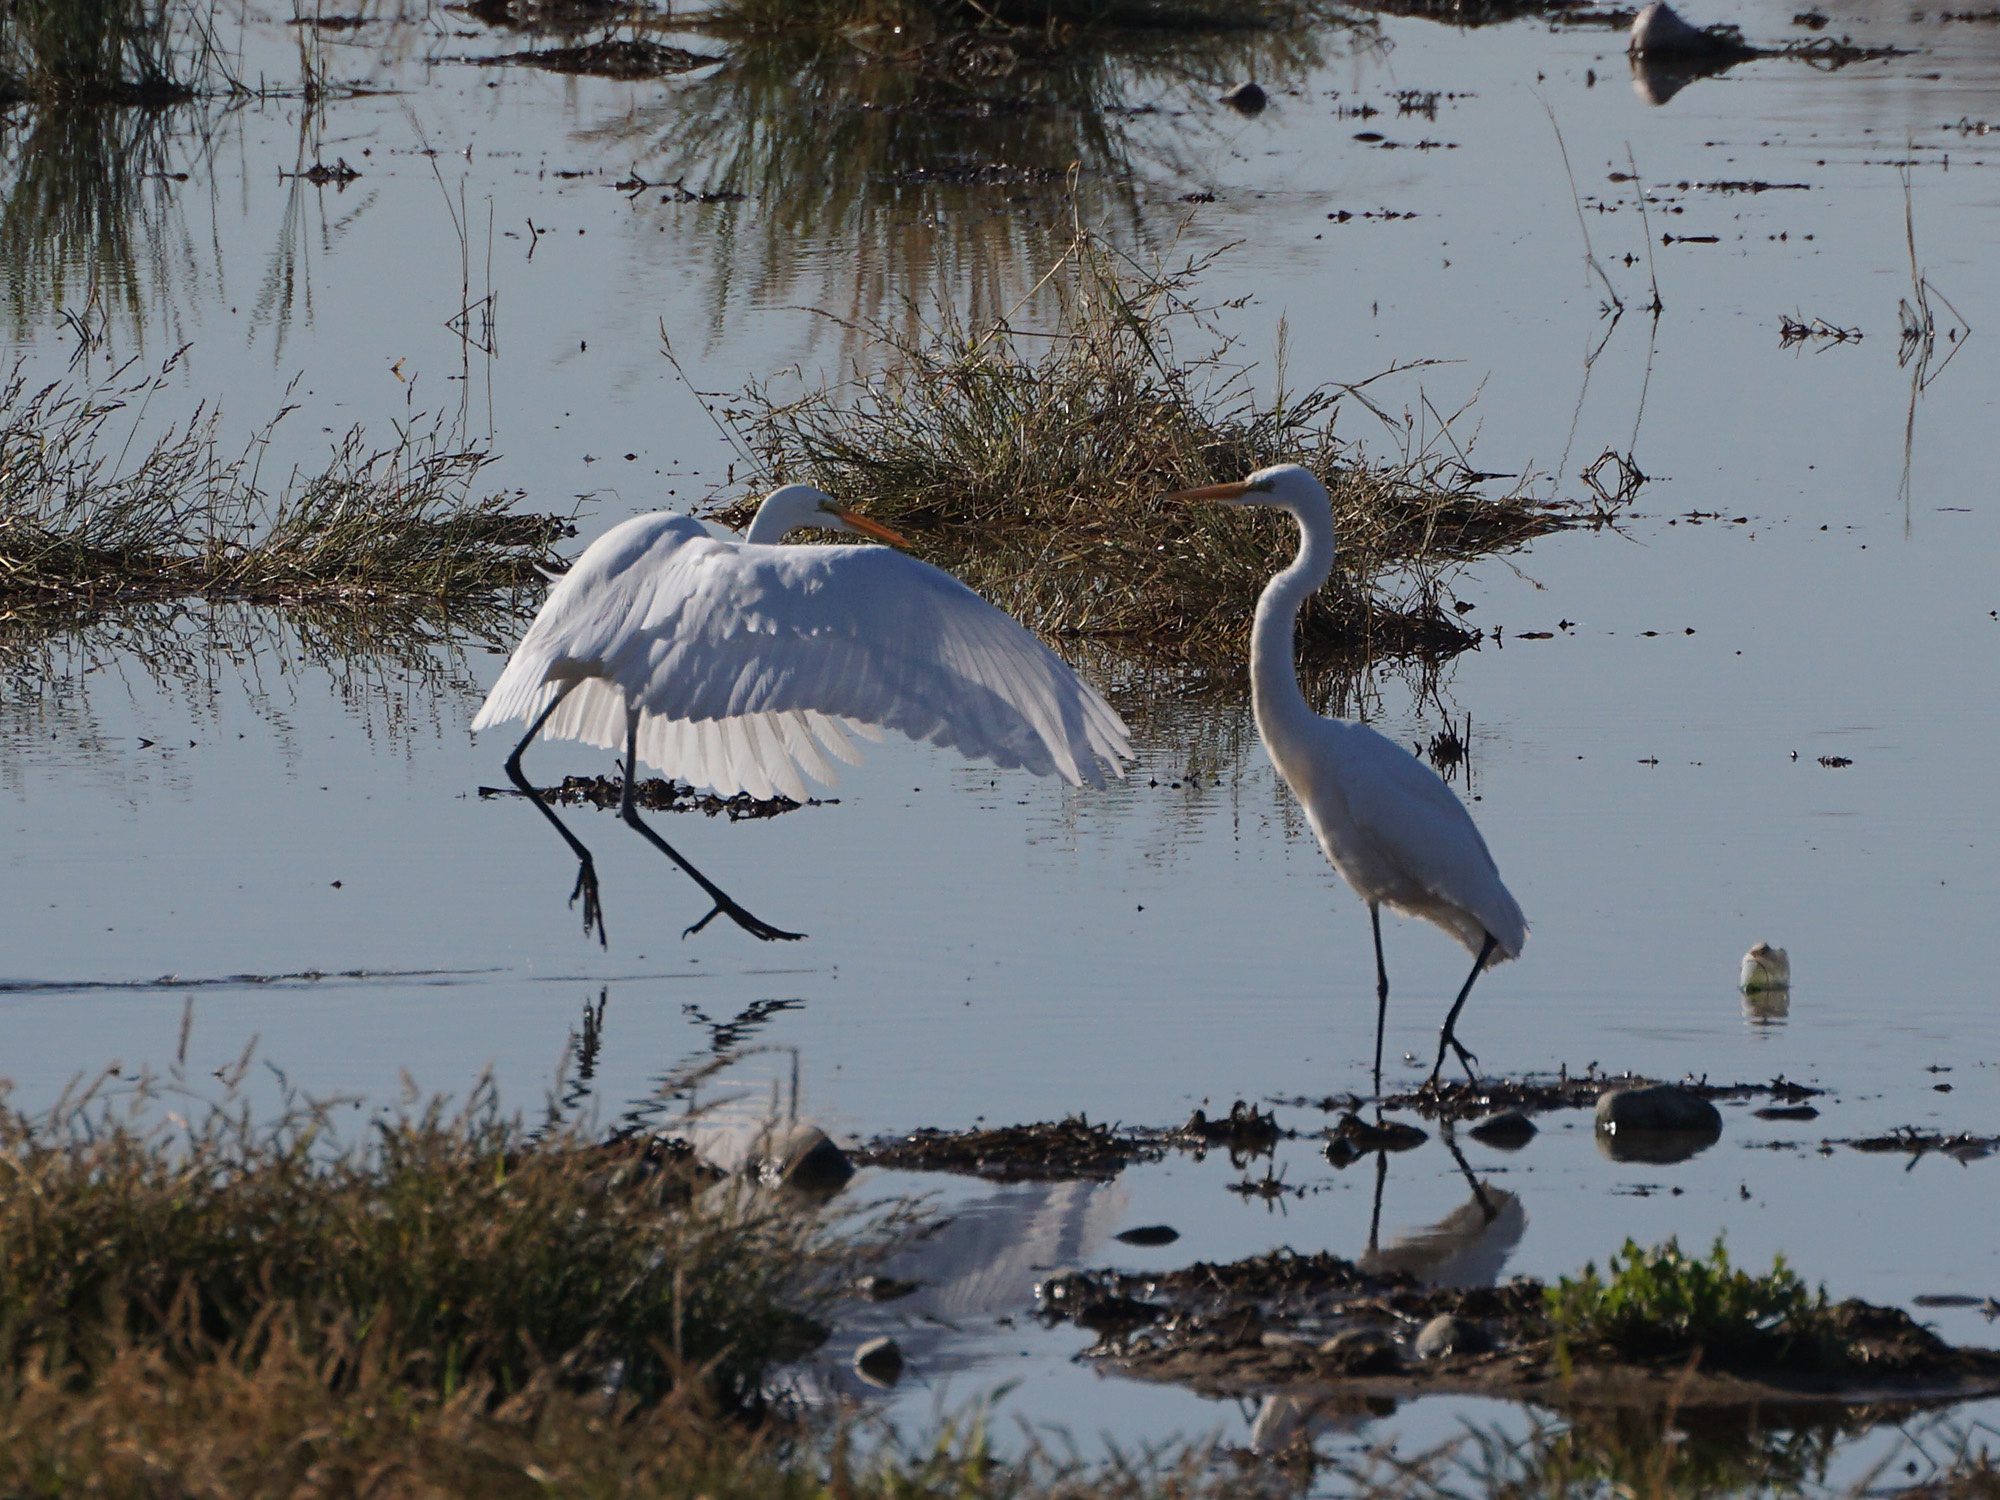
(868, 527)
(1235, 491)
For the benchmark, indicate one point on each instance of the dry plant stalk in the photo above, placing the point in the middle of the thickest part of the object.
(1032, 465)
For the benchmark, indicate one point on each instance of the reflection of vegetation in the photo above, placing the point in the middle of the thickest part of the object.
(911, 23)
(89, 217)
(1665, 1302)
(945, 162)
(103, 51)
(393, 526)
(1033, 466)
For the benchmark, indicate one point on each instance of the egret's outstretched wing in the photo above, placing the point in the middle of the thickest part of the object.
(744, 661)
(1405, 808)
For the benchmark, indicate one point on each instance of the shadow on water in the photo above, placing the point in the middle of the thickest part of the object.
(963, 166)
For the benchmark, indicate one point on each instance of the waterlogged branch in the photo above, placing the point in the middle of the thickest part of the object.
(84, 523)
(1032, 464)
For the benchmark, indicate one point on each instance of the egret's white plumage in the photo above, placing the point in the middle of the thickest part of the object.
(1395, 832)
(748, 666)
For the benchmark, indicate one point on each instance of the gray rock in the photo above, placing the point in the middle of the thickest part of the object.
(804, 1157)
(1659, 1123)
(1246, 98)
(1509, 1130)
(1449, 1334)
(1658, 1107)
(1361, 1351)
(879, 1362)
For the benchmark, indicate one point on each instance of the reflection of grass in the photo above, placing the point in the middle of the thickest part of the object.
(87, 221)
(904, 23)
(1033, 466)
(947, 162)
(80, 523)
(103, 51)
(1664, 1302)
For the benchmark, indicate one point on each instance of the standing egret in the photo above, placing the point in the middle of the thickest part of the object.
(1392, 828)
(741, 665)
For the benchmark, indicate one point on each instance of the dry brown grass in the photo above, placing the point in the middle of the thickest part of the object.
(1033, 464)
(82, 523)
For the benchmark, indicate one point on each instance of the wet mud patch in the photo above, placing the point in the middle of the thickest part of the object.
(1071, 1148)
(1289, 1323)
(612, 57)
(1051, 1151)
(1918, 1143)
(656, 794)
(1529, 1094)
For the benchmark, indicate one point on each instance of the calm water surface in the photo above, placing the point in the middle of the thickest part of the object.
(1808, 572)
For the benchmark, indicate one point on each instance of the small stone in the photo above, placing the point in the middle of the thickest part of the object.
(1449, 1334)
(1246, 98)
(1508, 1130)
(1149, 1234)
(879, 1362)
(885, 1288)
(1361, 1351)
(1659, 1107)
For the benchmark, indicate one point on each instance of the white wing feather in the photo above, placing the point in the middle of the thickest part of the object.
(1412, 818)
(751, 665)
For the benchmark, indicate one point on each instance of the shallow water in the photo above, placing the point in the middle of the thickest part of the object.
(984, 947)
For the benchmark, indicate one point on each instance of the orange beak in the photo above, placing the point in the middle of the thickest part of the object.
(867, 527)
(1235, 491)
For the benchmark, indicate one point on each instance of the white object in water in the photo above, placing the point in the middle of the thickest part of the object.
(1766, 968)
(1658, 30)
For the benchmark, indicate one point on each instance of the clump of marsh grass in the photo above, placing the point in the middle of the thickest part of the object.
(454, 1249)
(1032, 463)
(83, 524)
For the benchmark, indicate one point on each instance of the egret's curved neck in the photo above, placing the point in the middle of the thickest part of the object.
(769, 525)
(1274, 679)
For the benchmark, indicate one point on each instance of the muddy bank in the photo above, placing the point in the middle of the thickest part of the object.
(1290, 1323)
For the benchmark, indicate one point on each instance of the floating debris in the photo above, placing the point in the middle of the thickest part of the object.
(1470, 1101)
(612, 57)
(1766, 968)
(1053, 1151)
(656, 794)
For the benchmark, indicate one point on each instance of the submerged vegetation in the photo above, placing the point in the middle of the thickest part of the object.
(1032, 464)
(83, 528)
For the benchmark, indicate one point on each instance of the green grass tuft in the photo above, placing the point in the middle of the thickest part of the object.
(1664, 1302)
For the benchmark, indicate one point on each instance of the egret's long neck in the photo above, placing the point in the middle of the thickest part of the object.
(768, 526)
(1274, 679)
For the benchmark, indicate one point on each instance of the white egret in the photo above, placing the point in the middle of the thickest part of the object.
(742, 666)
(1391, 827)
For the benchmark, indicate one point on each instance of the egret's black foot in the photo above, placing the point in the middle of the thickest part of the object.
(593, 909)
(1467, 1060)
(757, 927)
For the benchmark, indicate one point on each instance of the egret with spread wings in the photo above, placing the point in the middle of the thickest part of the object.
(1391, 827)
(748, 666)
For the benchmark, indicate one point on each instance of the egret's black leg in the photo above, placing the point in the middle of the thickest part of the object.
(586, 868)
(1448, 1037)
(724, 906)
(1381, 994)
